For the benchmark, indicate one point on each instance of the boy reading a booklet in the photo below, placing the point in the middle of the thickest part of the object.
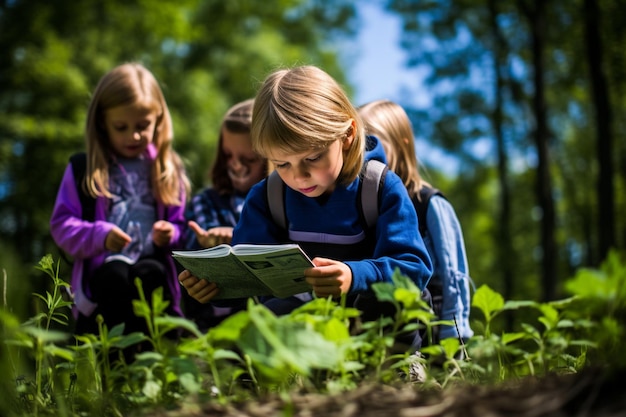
(305, 125)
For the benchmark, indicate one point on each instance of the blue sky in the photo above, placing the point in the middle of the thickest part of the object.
(376, 68)
(377, 63)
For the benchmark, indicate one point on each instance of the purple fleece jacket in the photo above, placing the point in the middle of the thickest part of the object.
(84, 240)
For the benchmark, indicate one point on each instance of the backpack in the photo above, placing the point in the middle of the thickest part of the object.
(87, 202)
(421, 205)
(372, 181)
(78, 161)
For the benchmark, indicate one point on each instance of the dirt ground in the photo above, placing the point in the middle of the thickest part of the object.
(591, 393)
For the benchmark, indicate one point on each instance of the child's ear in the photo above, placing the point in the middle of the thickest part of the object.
(350, 134)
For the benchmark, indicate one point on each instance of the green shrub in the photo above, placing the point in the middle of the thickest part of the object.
(320, 347)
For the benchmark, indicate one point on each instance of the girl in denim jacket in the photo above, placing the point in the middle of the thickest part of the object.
(449, 285)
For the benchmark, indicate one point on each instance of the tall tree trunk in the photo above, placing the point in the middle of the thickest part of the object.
(604, 131)
(536, 20)
(504, 245)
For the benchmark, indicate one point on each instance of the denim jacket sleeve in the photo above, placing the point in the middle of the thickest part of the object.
(447, 249)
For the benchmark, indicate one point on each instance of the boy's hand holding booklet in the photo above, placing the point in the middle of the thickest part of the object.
(250, 270)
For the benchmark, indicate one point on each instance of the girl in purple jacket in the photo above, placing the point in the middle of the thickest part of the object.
(139, 186)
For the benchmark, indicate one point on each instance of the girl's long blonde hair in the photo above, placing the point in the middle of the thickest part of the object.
(304, 109)
(133, 84)
(389, 122)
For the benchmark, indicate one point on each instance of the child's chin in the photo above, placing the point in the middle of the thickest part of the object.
(240, 184)
(132, 152)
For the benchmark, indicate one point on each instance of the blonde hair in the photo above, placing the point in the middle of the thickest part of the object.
(389, 122)
(304, 109)
(237, 119)
(132, 84)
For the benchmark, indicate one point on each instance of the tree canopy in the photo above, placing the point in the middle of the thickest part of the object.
(207, 54)
(526, 95)
(532, 85)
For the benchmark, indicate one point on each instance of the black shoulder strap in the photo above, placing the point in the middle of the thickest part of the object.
(276, 199)
(79, 168)
(372, 179)
(421, 205)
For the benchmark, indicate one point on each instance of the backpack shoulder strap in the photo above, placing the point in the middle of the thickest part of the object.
(372, 180)
(421, 205)
(79, 168)
(276, 199)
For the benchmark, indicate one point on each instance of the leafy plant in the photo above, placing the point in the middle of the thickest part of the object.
(600, 301)
(322, 347)
(36, 337)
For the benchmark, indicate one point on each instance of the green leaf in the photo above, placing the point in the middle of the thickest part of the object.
(550, 317)
(230, 329)
(46, 336)
(335, 330)
(149, 356)
(433, 350)
(278, 347)
(174, 322)
(608, 283)
(384, 291)
(487, 301)
(189, 383)
(407, 297)
(60, 352)
(124, 341)
(532, 331)
(117, 330)
(517, 304)
(508, 338)
(450, 346)
(226, 354)
(9, 320)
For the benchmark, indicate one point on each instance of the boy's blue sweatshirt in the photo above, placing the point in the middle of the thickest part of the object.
(335, 218)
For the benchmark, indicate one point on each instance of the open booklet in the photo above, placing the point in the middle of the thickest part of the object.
(250, 270)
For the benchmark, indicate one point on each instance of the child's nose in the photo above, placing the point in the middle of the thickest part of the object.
(300, 171)
(235, 163)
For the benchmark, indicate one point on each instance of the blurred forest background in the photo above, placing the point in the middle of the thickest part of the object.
(539, 87)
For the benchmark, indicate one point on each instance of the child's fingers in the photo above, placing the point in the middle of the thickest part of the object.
(203, 291)
(162, 226)
(204, 237)
(116, 240)
(323, 287)
(324, 268)
(184, 276)
(121, 236)
(196, 228)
